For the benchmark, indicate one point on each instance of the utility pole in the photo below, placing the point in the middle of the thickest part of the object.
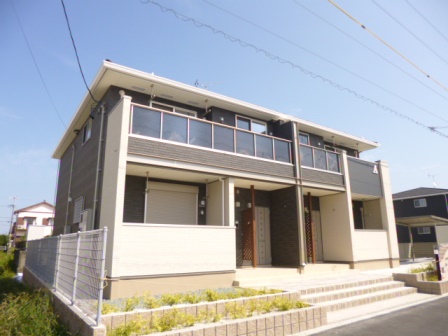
(13, 206)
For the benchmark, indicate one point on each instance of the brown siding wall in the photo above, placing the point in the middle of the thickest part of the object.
(196, 155)
(284, 228)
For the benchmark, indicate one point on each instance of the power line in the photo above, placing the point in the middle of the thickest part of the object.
(286, 62)
(325, 59)
(409, 31)
(76, 51)
(370, 49)
(388, 45)
(427, 21)
(35, 64)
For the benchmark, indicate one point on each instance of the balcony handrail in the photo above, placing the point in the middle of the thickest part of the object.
(326, 151)
(209, 122)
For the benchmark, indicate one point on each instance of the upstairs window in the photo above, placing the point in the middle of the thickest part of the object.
(304, 138)
(251, 125)
(424, 230)
(87, 131)
(173, 109)
(420, 203)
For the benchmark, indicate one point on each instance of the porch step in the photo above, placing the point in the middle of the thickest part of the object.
(342, 295)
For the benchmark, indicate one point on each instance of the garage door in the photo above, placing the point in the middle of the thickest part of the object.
(168, 203)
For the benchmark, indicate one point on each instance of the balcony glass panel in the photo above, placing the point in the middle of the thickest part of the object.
(245, 143)
(264, 147)
(333, 162)
(306, 156)
(223, 138)
(281, 151)
(146, 122)
(174, 128)
(320, 159)
(200, 134)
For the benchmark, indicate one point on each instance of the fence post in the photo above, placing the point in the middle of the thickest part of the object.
(75, 278)
(101, 286)
(58, 256)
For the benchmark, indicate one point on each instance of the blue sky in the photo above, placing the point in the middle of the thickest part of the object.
(314, 35)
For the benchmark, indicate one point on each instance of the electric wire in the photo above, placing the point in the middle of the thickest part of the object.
(283, 61)
(427, 21)
(36, 65)
(388, 45)
(76, 51)
(326, 60)
(370, 49)
(409, 31)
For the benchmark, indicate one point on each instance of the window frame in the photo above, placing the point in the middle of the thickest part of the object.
(424, 230)
(420, 203)
(251, 121)
(307, 137)
(174, 109)
(87, 131)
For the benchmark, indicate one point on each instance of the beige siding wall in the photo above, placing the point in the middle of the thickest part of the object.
(370, 245)
(149, 249)
(372, 215)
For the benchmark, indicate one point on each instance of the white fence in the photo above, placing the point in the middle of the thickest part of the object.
(72, 265)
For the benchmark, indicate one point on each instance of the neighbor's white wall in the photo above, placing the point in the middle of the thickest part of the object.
(370, 245)
(156, 249)
(387, 211)
(38, 231)
(372, 215)
(112, 195)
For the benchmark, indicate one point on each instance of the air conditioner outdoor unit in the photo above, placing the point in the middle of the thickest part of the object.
(86, 223)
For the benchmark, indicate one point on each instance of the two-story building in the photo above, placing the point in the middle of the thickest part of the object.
(37, 215)
(193, 185)
(422, 221)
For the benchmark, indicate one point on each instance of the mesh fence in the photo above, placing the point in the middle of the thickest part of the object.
(73, 265)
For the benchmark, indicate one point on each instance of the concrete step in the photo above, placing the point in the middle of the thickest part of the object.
(365, 299)
(355, 291)
(321, 288)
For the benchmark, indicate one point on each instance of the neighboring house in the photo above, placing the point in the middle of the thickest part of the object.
(422, 221)
(40, 216)
(192, 185)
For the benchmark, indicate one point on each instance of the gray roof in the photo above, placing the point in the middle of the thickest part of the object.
(419, 192)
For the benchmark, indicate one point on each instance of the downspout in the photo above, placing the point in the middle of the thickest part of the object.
(69, 198)
(98, 162)
(297, 165)
(223, 203)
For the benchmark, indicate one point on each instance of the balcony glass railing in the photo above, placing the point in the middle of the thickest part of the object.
(188, 130)
(319, 158)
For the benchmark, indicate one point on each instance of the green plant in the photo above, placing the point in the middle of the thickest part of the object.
(7, 266)
(135, 327)
(212, 295)
(432, 277)
(109, 308)
(236, 310)
(168, 321)
(192, 298)
(131, 303)
(171, 299)
(150, 302)
(429, 267)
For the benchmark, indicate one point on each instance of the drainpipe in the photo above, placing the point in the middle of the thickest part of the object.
(69, 199)
(98, 169)
(299, 195)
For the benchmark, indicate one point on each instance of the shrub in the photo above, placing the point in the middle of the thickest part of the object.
(429, 267)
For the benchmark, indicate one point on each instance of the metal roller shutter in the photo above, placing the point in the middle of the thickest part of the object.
(171, 204)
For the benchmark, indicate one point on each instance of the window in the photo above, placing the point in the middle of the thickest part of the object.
(174, 109)
(77, 209)
(420, 203)
(424, 230)
(87, 131)
(251, 125)
(146, 122)
(304, 139)
(30, 221)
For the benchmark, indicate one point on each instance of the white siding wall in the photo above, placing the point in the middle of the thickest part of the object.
(150, 249)
(370, 245)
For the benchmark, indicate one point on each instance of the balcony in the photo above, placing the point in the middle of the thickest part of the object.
(317, 158)
(153, 123)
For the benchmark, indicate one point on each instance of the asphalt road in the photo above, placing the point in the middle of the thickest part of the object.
(429, 319)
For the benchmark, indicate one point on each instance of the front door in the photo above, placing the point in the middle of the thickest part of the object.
(263, 235)
(248, 236)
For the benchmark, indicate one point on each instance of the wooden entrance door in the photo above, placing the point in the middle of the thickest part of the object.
(317, 235)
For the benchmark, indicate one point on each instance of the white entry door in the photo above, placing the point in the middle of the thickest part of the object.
(317, 235)
(263, 235)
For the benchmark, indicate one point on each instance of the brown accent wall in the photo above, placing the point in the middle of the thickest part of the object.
(284, 228)
(157, 149)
